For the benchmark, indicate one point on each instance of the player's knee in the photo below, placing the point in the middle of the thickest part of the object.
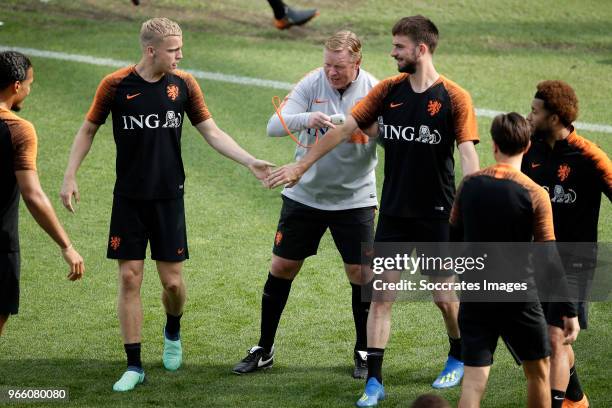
(556, 342)
(353, 272)
(284, 268)
(537, 370)
(380, 308)
(173, 286)
(446, 307)
(130, 280)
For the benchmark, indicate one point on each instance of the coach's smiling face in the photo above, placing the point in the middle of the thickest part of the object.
(340, 69)
(168, 53)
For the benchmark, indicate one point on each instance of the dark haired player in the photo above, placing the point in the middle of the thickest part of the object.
(149, 102)
(501, 204)
(421, 116)
(575, 172)
(18, 150)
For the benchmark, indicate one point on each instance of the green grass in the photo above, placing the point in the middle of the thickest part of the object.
(67, 335)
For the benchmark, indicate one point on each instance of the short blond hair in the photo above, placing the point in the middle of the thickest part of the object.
(154, 31)
(345, 40)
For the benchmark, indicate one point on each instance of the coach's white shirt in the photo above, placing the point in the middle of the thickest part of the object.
(344, 178)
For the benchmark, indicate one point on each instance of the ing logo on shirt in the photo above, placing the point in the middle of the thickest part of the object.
(406, 133)
(172, 91)
(563, 172)
(433, 107)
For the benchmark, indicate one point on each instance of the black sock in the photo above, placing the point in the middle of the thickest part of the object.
(132, 352)
(375, 361)
(557, 398)
(278, 7)
(360, 316)
(173, 326)
(273, 301)
(574, 389)
(455, 348)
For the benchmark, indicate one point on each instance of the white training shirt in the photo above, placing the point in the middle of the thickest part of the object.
(344, 178)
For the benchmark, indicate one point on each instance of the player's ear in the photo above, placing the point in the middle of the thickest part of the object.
(527, 148)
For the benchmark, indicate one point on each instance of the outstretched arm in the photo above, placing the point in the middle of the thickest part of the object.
(80, 148)
(41, 209)
(224, 144)
(290, 174)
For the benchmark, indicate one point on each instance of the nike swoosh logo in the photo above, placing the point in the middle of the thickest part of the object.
(128, 96)
(395, 105)
(263, 362)
(535, 165)
(321, 100)
(559, 398)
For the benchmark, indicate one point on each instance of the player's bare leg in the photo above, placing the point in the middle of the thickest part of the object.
(474, 386)
(129, 310)
(448, 303)
(538, 384)
(173, 299)
(3, 319)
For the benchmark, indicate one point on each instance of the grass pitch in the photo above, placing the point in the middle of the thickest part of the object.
(67, 335)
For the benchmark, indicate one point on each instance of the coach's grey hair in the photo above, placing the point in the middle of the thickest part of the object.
(154, 31)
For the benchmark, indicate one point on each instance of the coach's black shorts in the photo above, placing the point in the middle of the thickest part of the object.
(9, 283)
(301, 227)
(522, 326)
(400, 229)
(134, 223)
(554, 319)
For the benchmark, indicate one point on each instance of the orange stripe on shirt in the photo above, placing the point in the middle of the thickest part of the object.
(464, 115)
(196, 107)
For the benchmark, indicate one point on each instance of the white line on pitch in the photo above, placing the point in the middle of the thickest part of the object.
(234, 79)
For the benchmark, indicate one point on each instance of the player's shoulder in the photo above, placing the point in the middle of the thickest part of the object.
(20, 128)
(455, 90)
(184, 75)
(117, 76)
(586, 147)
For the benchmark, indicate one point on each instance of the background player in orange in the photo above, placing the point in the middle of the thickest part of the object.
(575, 172)
(149, 102)
(421, 116)
(18, 150)
(501, 204)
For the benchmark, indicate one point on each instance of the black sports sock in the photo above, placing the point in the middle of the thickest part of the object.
(360, 316)
(132, 351)
(173, 326)
(574, 389)
(557, 398)
(278, 7)
(455, 348)
(375, 361)
(273, 301)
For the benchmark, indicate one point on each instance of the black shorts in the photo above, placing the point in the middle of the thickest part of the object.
(136, 222)
(9, 283)
(400, 229)
(521, 325)
(554, 319)
(301, 227)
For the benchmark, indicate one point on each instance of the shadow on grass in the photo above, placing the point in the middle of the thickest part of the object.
(89, 383)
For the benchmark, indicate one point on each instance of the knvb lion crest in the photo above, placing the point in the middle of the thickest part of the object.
(172, 91)
(433, 107)
(278, 238)
(563, 172)
(115, 242)
(562, 196)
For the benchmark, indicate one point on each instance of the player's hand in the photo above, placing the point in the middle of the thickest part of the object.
(571, 328)
(75, 261)
(318, 120)
(69, 189)
(287, 175)
(261, 169)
